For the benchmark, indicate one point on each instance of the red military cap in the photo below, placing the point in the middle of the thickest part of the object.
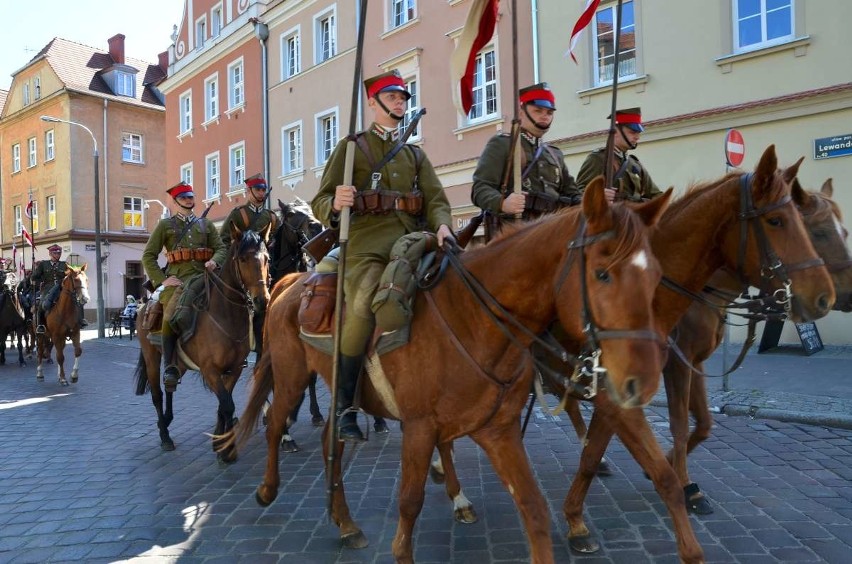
(390, 81)
(180, 189)
(538, 95)
(54, 248)
(631, 117)
(256, 181)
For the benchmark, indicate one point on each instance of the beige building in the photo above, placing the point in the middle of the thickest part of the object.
(52, 163)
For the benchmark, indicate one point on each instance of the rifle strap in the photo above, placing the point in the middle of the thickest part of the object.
(365, 148)
(620, 172)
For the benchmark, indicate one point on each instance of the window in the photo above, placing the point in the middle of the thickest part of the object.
(484, 86)
(16, 157)
(326, 135)
(26, 91)
(32, 159)
(211, 97)
(216, 21)
(186, 113)
(125, 84)
(761, 23)
(212, 176)
(131, 147)
(411, 109)
(401, 11)
(325, 32)
(37, 87)
(19, 221)
(49, 149)
(238, 164)
(133, 213)
(34, 219)
(292, 50)
(236, 95)
(603, 44)
(291, 141)
(51, 212)
(200, 31)
(186, 173)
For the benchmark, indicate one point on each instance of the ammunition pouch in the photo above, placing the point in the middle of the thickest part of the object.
(176, 256)
(316, 311)
(381, 202)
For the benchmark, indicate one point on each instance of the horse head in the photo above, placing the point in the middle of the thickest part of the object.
(250, 263)
(76, 283)
(824, 223)
(298, 226)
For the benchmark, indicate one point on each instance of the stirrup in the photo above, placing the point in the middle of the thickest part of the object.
(347, 423)
(171, 378)
(40, 330)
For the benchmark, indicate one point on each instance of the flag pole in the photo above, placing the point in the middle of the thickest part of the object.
(515, 151)
(32, 227)
(610, 140)
(348, 166)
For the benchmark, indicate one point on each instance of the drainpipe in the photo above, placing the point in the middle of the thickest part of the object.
(261, 31)
(534, 14)
(105, 150)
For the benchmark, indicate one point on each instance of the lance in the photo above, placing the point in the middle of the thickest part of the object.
(513, 159)
(610, 139)
(349, 162)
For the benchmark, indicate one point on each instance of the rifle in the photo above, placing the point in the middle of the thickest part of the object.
(321, 244)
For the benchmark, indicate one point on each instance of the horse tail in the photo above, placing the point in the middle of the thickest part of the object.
(141, 375)
(263, 384)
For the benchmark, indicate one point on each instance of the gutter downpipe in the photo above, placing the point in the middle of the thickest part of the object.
(534, 14)
(105, 150)
(261, 31)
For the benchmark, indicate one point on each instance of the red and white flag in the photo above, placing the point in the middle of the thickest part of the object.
(14, 254)
(582, 22)
(29, 209)
(477, 32)
(27, 236)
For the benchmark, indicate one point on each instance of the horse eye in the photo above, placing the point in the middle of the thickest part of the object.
(603, 276)
(775, 221)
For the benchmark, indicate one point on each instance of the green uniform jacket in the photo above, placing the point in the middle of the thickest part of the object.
(247, 217)
(635, 182)
(201, 234)
(372, 236)
(47, 274)
(548, 174)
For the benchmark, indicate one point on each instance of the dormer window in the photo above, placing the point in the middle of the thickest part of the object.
(125, 84)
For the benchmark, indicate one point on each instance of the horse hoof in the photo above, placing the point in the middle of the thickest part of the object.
(260, 500)
(604, 468)
(696, 502)
(355, 540)
(289, 446)
(584, 544)
(167, 446)
(226, 460)
(317, 421)
(466, 515)
(73, 379)
(437, 477)
(40, 378)
(381, 427)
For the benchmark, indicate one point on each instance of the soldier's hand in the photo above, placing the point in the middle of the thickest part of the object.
(344, 196)
(172, 281)
(514, 203)
(609, 194)
(211, 265)
(444, 232)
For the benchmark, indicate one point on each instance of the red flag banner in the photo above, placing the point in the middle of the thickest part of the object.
(28, 237)
(29, 209)
(582, 22)
(477, 32)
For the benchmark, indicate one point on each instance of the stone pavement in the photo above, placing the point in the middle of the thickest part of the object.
(82, 479)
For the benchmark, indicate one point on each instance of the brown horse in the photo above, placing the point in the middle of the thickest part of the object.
(12, 323)
(220, 343)
(700, 331)
(62, 322)
(593, 271)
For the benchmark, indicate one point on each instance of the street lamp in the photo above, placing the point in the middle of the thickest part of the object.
(98, 260)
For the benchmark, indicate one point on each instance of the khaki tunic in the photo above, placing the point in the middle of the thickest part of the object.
(548, 174)
(247, 217)
(48, 274)
(371, 237)
(634, 184)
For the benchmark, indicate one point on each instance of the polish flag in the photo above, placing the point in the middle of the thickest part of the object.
(582, 22)
(28, 237)
(477, 31)
(29, 209)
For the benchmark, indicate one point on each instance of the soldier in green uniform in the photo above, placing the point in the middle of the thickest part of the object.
(192, 245)
(546, 183)
(46, 278)
(631, 180)
(403, 196)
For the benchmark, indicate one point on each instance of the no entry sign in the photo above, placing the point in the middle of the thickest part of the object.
(734, 148)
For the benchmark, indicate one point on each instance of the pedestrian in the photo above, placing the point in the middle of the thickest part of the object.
(391, 196)
(47, 279)
(192, 245)
(631, 180)
(546, 184)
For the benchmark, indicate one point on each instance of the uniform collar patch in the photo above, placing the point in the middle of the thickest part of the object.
(185, 216)
(385, 134)
(254, 208)
(531, 139)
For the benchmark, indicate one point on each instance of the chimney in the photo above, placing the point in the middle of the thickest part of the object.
(116, 48)
(163, 61)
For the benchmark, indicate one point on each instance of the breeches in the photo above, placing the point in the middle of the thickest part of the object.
(359, 288)
(170, 296)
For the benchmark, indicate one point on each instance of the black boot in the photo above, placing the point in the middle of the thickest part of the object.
(350, 370)
(171, 375)
(81, 317)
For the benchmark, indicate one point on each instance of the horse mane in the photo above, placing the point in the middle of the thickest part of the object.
(249, 241)
(694, 191)
(824, 207)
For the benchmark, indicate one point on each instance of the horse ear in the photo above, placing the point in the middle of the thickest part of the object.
(595, 205)
(827, 188)
(235, 231)
(800, 196)
(791, 172)
(83, 268)
(763, 174)
(651, 211)
(264, 235)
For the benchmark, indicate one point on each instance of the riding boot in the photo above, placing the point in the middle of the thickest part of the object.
(40, 329)
(171, 375)
(81, 317)
(350, 370)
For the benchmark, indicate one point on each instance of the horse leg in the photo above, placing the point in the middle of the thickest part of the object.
(21, 361)
(59, 347)
(696, 502)
(40, 352)
(350, 533)
(418, 441)
(505, 450)
(463, 511)
(225, 422)
(316, 415)
(572, 409)
(75, 370)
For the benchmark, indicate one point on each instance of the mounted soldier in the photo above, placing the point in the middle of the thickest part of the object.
(46, 279)
(546, 182)
(395, 191)
(191, 245)
(631, 180)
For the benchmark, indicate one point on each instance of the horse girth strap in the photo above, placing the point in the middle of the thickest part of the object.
(747, 344)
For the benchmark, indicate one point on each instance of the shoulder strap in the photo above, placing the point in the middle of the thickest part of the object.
(361, 141)
(535, 158)
(620, 172)
(244, 215)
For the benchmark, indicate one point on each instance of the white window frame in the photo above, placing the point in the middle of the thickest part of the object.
(32, 152)
(51, 212)
(400, 12)
(132, 145)
(483, 87)
(629, 66)
(291, 53)
(764, 41)
(327, 134)
(186, 173)
(26, 93)
(36, 87)
(325, 21)
(49, 145)
(185, 112)
(216, 21)
(134, 210)
(412, 84)
(34, 220)
(292, 157)
(237, 164)
(19, 220)
(200, 32)
(212, 176)
(236, 84)
(16, 157)
(211, 98)
(125, 84)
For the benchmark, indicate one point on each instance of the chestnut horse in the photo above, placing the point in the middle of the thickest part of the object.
(220, 343)
(63, 322)
(590, 268)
